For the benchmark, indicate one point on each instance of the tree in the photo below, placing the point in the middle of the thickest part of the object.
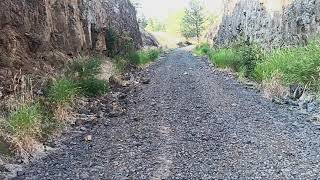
(193, 21)
(154, 25)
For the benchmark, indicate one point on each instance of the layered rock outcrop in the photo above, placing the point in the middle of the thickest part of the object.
(273, 23)
(35, 34)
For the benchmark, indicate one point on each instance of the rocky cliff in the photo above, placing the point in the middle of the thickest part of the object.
(273, 23)
(37, 34)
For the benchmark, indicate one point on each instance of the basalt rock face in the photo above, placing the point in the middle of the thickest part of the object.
(148, 40)
(36, 35)
(273, 23)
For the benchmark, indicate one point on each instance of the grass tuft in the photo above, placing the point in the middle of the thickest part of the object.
(225, 58)
(86, 68)
(93, 87)
(63, 91)
(144, 56)
(298, 65)
(203, 49)
(23, 129)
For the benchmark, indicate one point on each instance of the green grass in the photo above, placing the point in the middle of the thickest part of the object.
(83, 74)
(29, 123)
(203, 49)
(143, 57)
(121, 64)
(62, 91)
(84, 68)
(25, 120)
(92, 87)
(298, 65)
(241, 56)
(225, 58)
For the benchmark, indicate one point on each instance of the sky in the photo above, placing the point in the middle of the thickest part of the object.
(161, 8)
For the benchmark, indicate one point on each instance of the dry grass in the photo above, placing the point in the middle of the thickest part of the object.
(22, 88)
(27, 119)
(21, 117)
(62, 113)
(273, 87)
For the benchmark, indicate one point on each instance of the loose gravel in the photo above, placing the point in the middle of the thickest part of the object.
(190, 122)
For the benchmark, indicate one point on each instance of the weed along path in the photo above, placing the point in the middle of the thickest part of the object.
(189, 122)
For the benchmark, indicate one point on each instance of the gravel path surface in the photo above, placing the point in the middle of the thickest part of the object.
(191, 122)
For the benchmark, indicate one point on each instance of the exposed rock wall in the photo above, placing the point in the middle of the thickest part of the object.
(35, 34)
(273, 23)
(148, 40)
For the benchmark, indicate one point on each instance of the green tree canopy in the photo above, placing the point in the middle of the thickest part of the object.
(154, 25)
(193, 21)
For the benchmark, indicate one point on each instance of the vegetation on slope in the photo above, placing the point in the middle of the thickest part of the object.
(297, 65)
(28, 118)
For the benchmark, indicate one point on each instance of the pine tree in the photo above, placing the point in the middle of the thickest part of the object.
(193, 20)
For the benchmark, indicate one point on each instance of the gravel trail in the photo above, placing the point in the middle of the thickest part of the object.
(190, 122)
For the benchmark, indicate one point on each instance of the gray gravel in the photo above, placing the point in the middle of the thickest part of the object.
(190, 122)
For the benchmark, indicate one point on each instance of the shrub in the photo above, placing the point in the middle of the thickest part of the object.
(134, 58)
(248, 54)
(84, 74)
(242, 57)
(111, 38)
(62, 91)
(153, 54)
(93, 87)
(298, 65)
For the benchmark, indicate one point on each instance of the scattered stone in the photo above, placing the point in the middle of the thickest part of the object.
(83, 128)
(307, 98)
(296, 91)
(106, 123)
(145, 80)
(88, 138)
(234, 105)
(100, 114)
(311, 106)
(277, 101)
(113, 114)
(291, 102)
(118, 82)
(39, 92)
(20, 173)
(136, 119)
(316, 118)
(122, 96)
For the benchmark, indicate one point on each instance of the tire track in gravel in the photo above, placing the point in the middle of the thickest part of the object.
(191, 122)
